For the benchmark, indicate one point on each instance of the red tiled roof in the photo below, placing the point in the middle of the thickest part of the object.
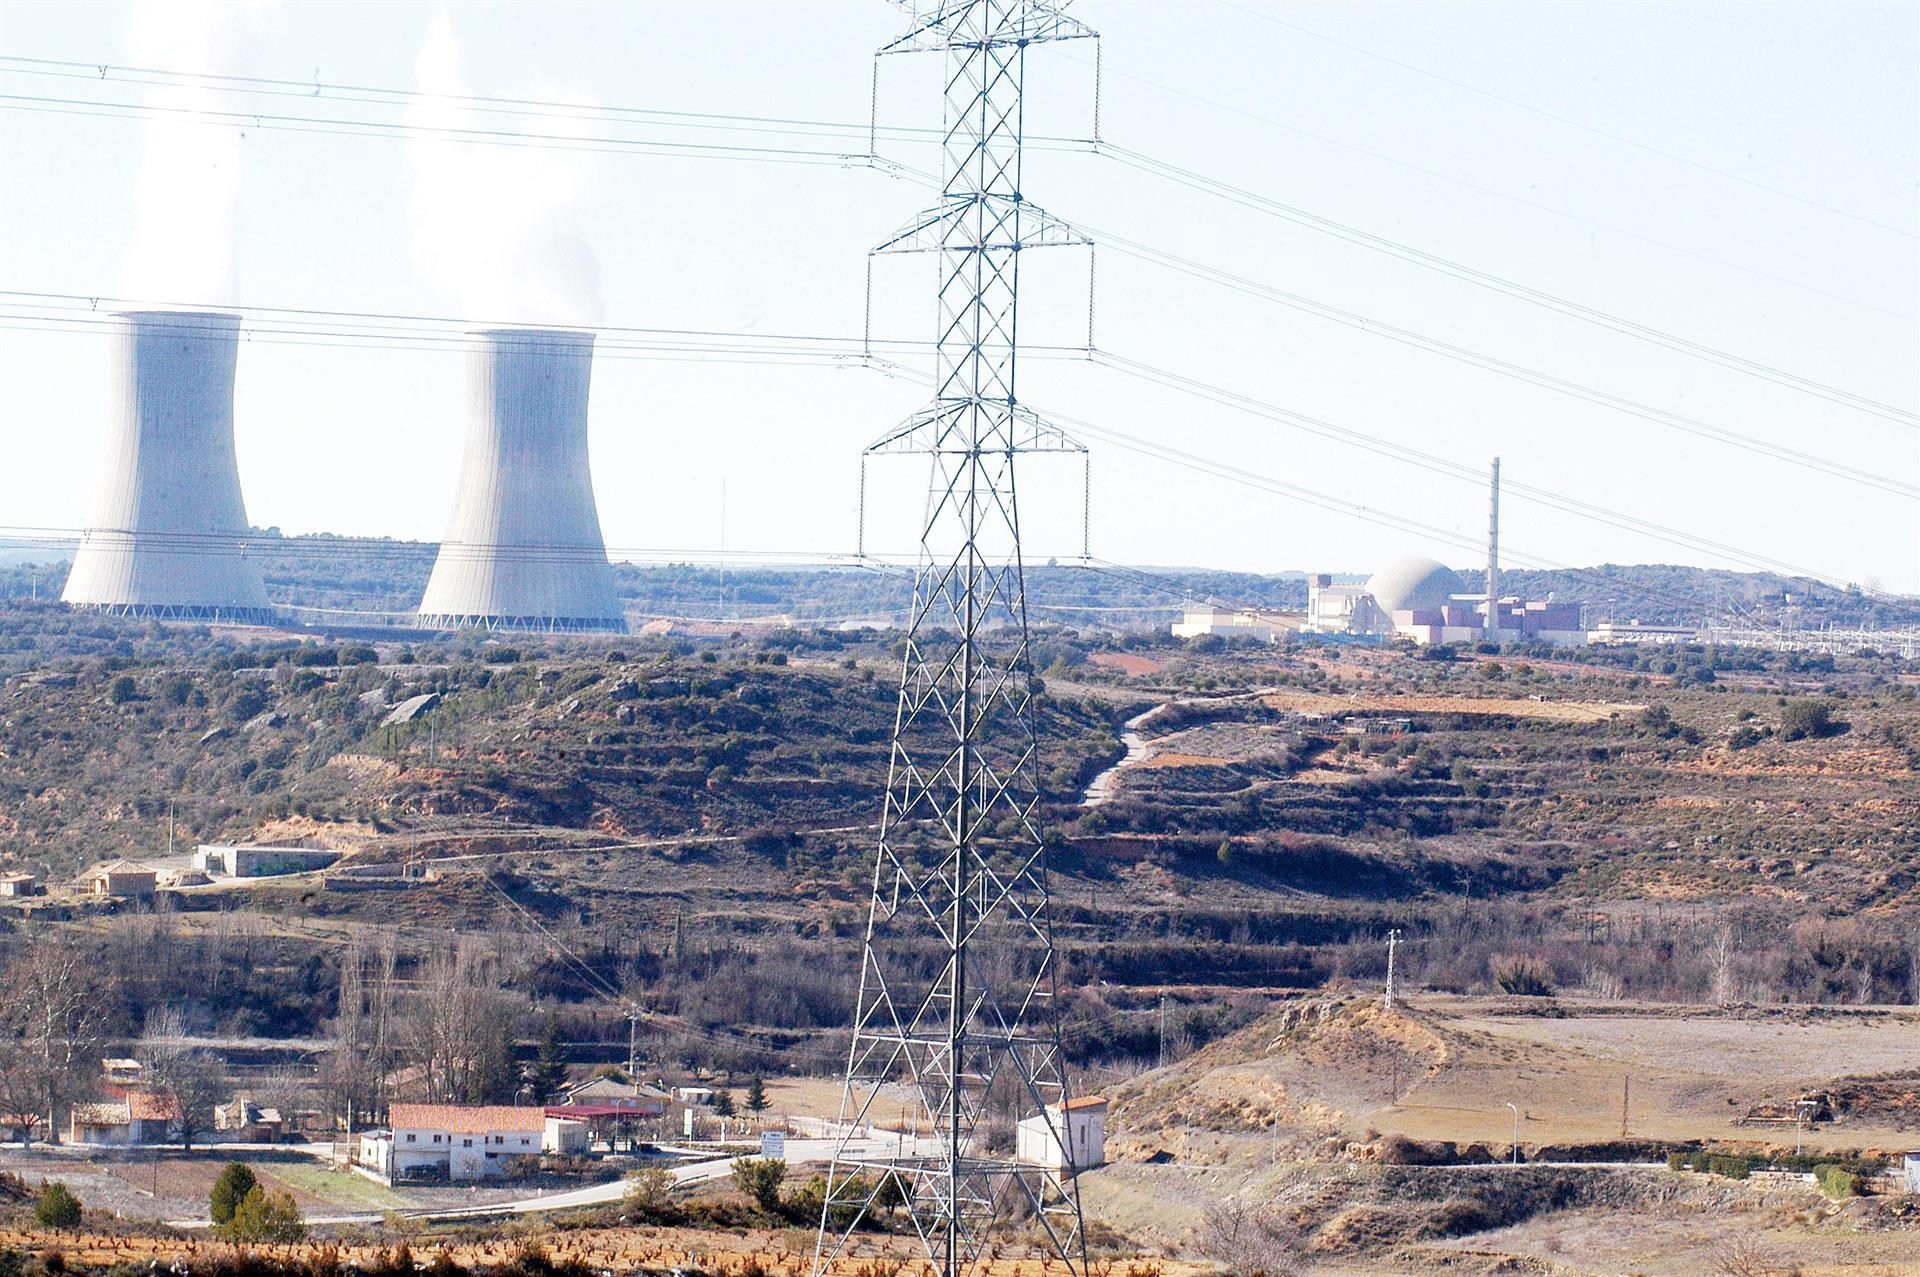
(465, 1119)
(151, 1106)
(1086, 1102)
(100, 1114)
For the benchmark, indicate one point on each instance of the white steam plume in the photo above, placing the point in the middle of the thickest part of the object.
(498, 227)
(186, 198)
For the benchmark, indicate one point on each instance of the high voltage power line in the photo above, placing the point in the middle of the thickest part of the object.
(1521, 200)
(1153, 165)
(1567, 120)
(155, 77)
(1511, 288)
(1258, 289)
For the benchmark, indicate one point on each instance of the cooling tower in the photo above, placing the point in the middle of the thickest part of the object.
(523, 550)
(168, 532)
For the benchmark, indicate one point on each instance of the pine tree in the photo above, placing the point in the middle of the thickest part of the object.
(235, 1182)
(266, 1217)
(549, 1076)
(723, 1103)
(757, 1101)
(57, 1207)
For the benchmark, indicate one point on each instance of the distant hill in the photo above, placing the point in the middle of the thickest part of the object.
(382, 575)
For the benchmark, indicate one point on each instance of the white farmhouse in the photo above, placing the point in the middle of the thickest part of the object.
(458, 1142)
(1081, 1123)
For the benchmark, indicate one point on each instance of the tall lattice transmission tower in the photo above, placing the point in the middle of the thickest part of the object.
(957, 976)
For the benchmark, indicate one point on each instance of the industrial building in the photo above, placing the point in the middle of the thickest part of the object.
(523, 550)
(1266, 627)
(253, 860)
(1424, 600)
(168, 533)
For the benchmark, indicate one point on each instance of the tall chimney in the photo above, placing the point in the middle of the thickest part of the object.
(523, 550)
(167, 536)
(1493, 555)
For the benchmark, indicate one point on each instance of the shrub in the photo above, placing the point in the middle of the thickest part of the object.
(1808, 718)
(759, 1178)
(235, 1182)
(1525, 980)
(57, 1207)
(1676, 1161)
(649, 1195)
(1836, 1181)
(1728, 1167)
(122, 690)
(266, 1217)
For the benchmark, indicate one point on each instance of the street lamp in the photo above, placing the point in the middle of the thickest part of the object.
(1516, 1131)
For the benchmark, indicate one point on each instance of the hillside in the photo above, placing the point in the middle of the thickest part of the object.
(1373, 1141)
(1591, 822)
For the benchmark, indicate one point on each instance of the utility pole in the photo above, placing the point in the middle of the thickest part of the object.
(1626, 1092)
(1493, 556)
(170, 802)
(959, 874)
(1160, 1061)
(1516, 1131)
(1393, 944)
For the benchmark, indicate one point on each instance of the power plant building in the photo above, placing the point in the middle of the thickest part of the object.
(523, 550)
(1424, 600)
(168, 534)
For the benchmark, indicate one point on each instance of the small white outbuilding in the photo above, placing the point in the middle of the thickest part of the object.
(1081, 1123)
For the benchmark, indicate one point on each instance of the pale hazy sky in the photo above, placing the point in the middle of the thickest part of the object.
(1817, 101)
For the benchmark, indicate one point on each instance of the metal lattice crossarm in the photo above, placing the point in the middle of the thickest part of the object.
(955, 1014)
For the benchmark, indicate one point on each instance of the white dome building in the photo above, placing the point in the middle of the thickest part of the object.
(1414, 583)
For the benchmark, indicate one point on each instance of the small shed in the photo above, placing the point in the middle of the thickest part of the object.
(1081, 1123)
(564, 1135)
(121, 878)
(19, 884)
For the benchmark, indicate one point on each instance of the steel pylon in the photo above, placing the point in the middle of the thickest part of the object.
(955, 1022)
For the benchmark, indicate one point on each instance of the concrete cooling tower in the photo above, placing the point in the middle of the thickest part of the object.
(168, 533)
(523, 550)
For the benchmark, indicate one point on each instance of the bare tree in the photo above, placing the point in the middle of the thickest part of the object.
(55, 1009)
(458, 1020)
(1247, 1242)
(190, 1078)
(1720, 962)
(1747, 1256)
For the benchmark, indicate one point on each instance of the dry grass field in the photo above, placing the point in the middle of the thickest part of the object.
(1556, 711)
(773, 1253)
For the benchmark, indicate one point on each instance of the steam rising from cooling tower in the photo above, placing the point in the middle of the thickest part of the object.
(524, 550)
(168, 531)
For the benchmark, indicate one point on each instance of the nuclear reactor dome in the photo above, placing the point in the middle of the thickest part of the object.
(1413, 583)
